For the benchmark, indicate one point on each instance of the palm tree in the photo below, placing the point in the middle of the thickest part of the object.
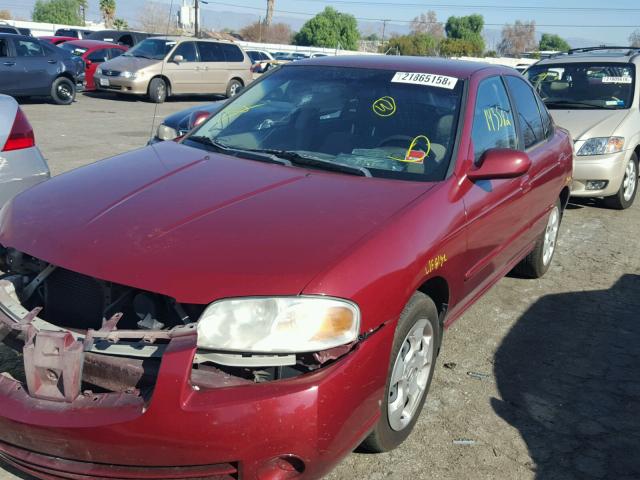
(270, 7)
(108, 9)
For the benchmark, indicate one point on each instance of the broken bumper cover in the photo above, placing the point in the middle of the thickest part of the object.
(185, 431)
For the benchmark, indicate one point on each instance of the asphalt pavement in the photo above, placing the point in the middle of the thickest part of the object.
(540, 379)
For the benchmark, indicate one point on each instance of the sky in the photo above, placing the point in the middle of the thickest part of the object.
(588, 19)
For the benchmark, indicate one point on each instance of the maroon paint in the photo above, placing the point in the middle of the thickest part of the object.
(198, 227)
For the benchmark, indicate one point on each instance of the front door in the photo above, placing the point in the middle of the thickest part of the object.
(495, 220)
(185, 75)
(36, 69)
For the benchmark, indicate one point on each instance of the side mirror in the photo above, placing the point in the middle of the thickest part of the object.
(500, 163)
(178, 59)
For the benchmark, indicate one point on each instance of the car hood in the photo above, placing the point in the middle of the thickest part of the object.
(584, 124)
(129, 64)
(198, 226)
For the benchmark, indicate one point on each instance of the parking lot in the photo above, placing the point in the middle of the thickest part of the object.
(539, 379)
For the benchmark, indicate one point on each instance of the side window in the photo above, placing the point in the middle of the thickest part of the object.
(547, 123)
(231, 52)
(210, 52)
(493, 124)
(98, 56)
(187, 50)
(115, 52)
(126, 40)
(28, 48)
(528, 113)
(4, 47)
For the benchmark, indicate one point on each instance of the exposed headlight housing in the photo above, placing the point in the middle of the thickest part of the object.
(128, 74)
(601, 146)
(278, 324)
(98, 71)
(166, 133)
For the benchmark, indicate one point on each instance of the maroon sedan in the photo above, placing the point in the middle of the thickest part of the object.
(93, 52)
(261, 298)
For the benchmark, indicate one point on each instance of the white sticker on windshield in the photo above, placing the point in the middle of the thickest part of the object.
(617, 80)
(427, 79)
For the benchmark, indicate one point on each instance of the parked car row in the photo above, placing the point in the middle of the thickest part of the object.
(271, 291)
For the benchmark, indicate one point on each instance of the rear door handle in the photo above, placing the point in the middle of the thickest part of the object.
(9, 64)
(52, 61)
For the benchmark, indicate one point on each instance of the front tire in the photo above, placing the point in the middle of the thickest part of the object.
(234, 88)
(536, 264)
(413, 355)
(63, 91)
(628, 189)
(157, 90)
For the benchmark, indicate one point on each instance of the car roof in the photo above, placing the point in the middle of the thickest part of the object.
(626, 55)
(441, 66)
(179, 38)
(88, 44)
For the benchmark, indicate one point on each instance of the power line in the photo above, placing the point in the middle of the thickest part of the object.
(211, 2)
(477, 7)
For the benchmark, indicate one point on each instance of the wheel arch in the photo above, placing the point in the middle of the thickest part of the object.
(166, 81)
(238, 79)
(564, 197)
(437, 289)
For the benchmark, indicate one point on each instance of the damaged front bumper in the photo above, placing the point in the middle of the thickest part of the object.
(191, 424)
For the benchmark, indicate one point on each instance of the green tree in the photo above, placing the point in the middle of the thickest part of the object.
(550, 41)
(5, 15)
(634, 38)
(120, 24)
(108, 10)
(417, 44)
(462, 31)
(329, 28)
(64, 12)
(457, 47)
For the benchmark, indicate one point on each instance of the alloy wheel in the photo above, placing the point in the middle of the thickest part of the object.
(551, 235)
(410, 374)
(629, 181)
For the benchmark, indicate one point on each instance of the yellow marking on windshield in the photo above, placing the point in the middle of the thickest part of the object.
(413, 154)
(384, 106)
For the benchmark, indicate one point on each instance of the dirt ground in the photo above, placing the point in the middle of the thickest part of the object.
(539, 380)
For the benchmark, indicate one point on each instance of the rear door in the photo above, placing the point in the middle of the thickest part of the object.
(238, 65)
(8, 67)
(213, 67)
(37, 68)
(495, 219)
(185, 76)
(543, 147)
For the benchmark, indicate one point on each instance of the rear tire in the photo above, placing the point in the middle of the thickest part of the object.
(413, 356)
(628, 189)
(157, 90)
(234, 88)
(63, 91)
(536, 264)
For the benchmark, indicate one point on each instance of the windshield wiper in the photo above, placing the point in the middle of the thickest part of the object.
(575, 103)
(237, 152)
(301, 159)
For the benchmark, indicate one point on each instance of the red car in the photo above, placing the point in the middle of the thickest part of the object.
(93, 52)
(56, 40)
(264, 296)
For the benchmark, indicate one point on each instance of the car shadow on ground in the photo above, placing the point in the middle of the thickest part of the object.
(142, 98)
(568, 373)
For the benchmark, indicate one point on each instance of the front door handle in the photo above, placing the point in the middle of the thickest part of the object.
(52, 61)
(9, 64)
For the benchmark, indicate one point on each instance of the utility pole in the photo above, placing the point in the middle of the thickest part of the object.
(195, 23)
(260, 28)
(384, 28)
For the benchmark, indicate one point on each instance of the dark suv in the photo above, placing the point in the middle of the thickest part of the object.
(30, 67)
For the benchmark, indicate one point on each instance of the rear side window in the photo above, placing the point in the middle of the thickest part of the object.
(98, 56)
(28, 48)
(231, 53)
(210, 52)
(188, 51)
(8, 30)
(528, 112)
(547, 123)
(493, 124)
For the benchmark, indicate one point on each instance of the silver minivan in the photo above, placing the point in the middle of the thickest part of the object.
(163, 66)
(595, 94)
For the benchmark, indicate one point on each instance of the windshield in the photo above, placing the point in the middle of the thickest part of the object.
(584, 85)
(153, 48)
(73, 49)
(389, 124)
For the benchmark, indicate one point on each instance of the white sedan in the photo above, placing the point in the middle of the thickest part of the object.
(21, 163)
